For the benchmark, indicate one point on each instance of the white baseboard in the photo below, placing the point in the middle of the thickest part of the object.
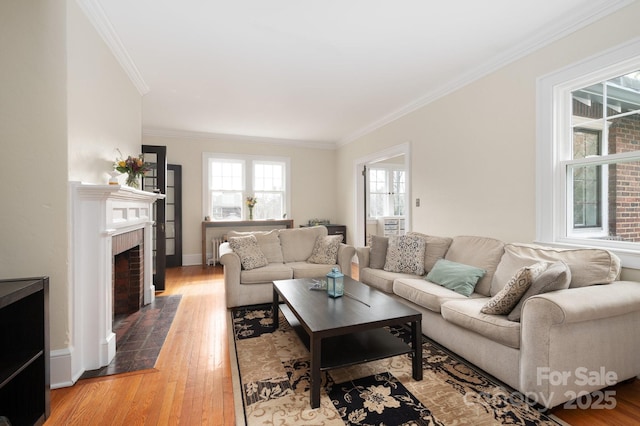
(61, 367)
(191, 259)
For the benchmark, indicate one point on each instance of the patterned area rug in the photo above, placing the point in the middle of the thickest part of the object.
(274, 379)
(139, 337)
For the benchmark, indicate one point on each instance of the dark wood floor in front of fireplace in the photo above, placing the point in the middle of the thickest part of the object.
(139, 337)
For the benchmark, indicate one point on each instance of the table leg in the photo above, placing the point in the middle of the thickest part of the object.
(316, 351)
(274, 310)
(416, 342)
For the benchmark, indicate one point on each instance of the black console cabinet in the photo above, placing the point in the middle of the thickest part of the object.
(338, 230)
(24, 351)
(334, 230)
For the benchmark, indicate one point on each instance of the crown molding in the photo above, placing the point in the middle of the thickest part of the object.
(221, 137)
(555, 31)
(96, 15)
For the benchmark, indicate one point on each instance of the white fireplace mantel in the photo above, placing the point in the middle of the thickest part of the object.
(98, 213)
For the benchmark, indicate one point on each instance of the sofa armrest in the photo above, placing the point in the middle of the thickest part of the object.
(228, 257)
(363, 257)
(345, 258)
(231, 263)
(589, 303)
(578, 328)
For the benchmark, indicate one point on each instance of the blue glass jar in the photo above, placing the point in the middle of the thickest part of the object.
(335, 283)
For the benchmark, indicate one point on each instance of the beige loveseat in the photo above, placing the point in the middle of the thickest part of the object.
(289, 253)
(568, 342)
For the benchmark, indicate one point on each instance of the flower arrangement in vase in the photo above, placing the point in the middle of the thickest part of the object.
(134, 167)
(251, 202)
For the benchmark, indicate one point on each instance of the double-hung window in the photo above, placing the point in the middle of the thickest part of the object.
(228, 180)
(269, 187)
(588, 172)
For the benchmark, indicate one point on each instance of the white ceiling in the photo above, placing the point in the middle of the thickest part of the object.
(317, 71)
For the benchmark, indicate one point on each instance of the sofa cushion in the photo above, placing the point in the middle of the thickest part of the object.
(507, 298)
(588, 266)
(268, 242)
(251, 257)
(466, 313)
(556, 277)
(297, 243)
(455, 276)
(424, 293)
(378, 252)
(481, 252)
(310, 270)
(265, 274)
(381, 279)
(405, 253)
(325, 250)
(436, 248)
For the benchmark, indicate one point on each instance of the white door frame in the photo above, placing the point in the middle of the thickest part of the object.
(359, 163)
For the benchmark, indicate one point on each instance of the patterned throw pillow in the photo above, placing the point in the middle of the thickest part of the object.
(325, 250)
(247, 248)
(507, 298)
(556, 277)
(405, 253)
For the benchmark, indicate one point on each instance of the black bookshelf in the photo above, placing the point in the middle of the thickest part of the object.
(24, 351)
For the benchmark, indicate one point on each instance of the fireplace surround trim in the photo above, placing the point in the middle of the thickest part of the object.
(100, 212)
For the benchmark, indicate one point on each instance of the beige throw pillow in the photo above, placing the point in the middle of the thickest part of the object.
(247, 248)
(507, 298)
(268, 242)
(325, 250)
(556, 277)
(378, 252)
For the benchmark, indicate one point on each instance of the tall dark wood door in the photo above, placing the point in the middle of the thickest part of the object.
(174, 215)
(156, 180)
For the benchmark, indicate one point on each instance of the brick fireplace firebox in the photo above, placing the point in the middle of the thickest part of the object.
(128, 272)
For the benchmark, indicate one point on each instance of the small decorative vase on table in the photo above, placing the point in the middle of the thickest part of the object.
(133, 181)
(251, 202)
(134, 167)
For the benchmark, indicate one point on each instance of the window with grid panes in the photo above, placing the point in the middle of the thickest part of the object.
(386, 186)
(230, 179)
(588, 167)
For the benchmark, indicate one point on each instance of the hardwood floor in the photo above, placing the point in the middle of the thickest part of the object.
(191, 382)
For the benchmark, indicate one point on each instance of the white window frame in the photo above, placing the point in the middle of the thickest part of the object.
(248, 191)
(553, 98)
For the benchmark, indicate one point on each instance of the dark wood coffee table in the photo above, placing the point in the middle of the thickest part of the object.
(347, 330)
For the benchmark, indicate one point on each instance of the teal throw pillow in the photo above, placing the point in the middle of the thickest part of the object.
(455, 276)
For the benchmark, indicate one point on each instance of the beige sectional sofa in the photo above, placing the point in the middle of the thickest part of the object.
(567, 342)
(289, 253)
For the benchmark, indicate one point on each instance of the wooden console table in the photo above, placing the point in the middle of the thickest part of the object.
(287, 223)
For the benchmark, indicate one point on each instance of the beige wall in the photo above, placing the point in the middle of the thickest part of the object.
(473, 151)
(313, 181)
(105, 109)
(104, 113)
(33, 135)
(66, 105)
